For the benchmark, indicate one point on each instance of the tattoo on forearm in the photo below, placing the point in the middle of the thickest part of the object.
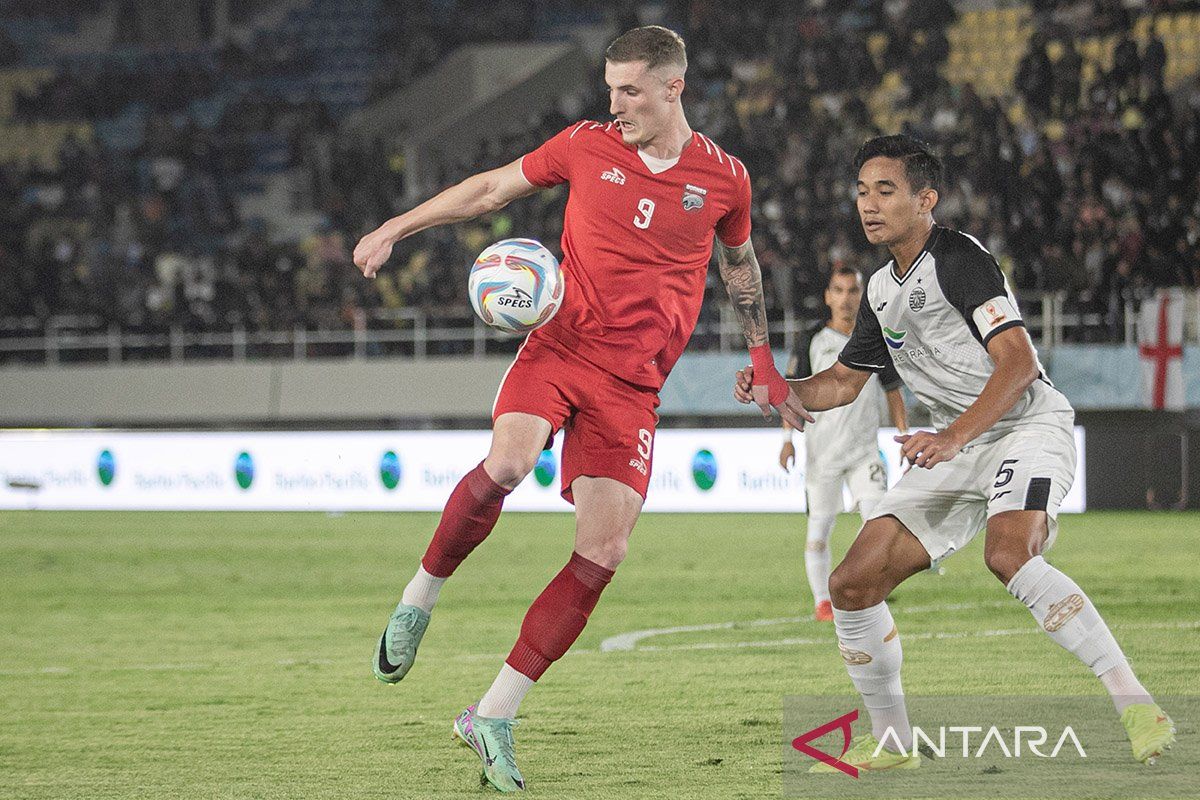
(743, 279)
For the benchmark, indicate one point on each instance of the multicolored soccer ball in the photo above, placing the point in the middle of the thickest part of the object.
(516, 285)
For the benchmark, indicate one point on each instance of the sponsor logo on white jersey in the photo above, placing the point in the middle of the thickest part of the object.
(615, 175)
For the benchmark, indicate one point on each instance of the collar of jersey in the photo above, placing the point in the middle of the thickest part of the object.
(929, 242)
(657, 166)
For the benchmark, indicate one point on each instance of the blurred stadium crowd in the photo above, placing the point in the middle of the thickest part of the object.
(1070, 130)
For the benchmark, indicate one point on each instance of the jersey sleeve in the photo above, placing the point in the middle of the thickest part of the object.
(800, 364)
(866, 349)
(888, 377)
(549, 165)
(733, 229)
(973, 283)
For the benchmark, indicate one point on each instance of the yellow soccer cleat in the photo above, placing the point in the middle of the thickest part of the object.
(861, 755)
(1151, 731)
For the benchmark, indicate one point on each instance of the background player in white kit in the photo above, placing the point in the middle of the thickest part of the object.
(1002, 457)
(841, 447)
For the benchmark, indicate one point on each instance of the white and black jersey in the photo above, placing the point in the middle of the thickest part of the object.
(846, 436)
(934, 324)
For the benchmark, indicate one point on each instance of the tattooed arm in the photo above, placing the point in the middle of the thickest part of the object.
(743, 280)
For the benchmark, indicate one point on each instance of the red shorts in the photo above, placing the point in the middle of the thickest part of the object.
(608, 423)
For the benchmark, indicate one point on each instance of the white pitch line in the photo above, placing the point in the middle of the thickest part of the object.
(907, 637)
(58, 670)
(629, 641)
(795, 641)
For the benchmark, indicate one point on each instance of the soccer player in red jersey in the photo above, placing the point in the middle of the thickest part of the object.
(646, 196)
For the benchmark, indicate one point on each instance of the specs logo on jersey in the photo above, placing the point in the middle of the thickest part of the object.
(916, 299)
(615, 175)
(895, 339)
(693, 197)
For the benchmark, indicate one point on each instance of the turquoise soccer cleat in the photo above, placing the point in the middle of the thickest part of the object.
(492, 741)
(398, 645)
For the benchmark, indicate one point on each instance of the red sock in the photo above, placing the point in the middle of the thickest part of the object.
(557, 617)
(468, 518)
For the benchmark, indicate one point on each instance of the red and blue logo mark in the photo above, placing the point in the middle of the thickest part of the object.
(843, 724)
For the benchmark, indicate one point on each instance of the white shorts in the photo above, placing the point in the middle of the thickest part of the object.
(1029, 469)
(867, 481)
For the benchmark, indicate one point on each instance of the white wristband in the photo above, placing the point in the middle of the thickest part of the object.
(787, 436)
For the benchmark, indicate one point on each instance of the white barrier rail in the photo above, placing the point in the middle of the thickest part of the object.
(412, 333)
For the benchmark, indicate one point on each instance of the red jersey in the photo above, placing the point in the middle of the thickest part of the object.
(636, 244)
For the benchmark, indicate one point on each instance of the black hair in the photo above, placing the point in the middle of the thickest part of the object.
(844, 269)
(922, 167)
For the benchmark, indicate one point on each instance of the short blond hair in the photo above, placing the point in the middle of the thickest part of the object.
(653, 44)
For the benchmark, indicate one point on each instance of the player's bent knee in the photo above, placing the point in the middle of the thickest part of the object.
(608, 554)
(1005, 562)
(850, 591)
(508, 468)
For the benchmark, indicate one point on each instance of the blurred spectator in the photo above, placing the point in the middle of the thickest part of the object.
(1095, 189)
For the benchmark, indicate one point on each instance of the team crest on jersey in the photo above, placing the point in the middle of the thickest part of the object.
(916, 299)
(693, 197)
(615, 175)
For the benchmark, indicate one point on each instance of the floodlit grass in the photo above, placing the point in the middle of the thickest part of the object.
(227, 655)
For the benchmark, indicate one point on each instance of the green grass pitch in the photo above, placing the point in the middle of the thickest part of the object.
(195, 655)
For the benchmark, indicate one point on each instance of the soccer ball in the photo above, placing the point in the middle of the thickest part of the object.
(516, 285)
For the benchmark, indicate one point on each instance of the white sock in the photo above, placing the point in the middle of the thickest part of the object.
(1065, 613)
(816, 556)
(870, 646)
(422, 591)
(505, 696)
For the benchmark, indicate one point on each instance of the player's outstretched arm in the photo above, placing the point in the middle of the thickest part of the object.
(743, 280)
(479, 194)
(739, 270)
(1016, 368)
(830, 388)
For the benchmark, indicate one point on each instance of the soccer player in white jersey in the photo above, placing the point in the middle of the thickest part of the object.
(1002, 457)
(842, 446)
